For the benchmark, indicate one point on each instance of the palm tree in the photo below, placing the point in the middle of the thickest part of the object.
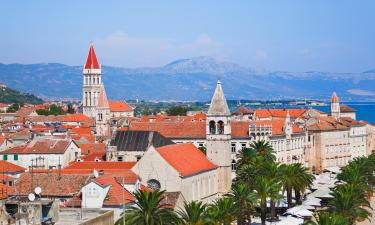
(350, 201)
(272, 171)
(193, 213)
(221, 212)
(264, 149)
(329, 218)
(245, 155)
(295, 177)
(244, 201)
(305, 180)
(265, 188)
(148, 210)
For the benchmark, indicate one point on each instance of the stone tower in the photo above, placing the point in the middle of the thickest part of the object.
(92, 81)
(218, 135)
(335, 106)
(102, 114)
(288, 128)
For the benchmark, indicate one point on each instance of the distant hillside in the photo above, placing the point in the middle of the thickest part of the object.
(8, 95)
(190, 79)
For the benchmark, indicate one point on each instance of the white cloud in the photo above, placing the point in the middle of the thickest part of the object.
(122, 49)
(361, 92)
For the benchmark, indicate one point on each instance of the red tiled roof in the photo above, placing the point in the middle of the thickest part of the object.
(117, 194)
(75, 118)
(81, 130)
(40, 147)
(91, 148)
(92, 61)
(328, 123)
(119, 106)
(52, 184)
(242, 110)
(345, 108)
(7, 167)
(186, 158)
(173, 129)
(281, 113)
(101, 165)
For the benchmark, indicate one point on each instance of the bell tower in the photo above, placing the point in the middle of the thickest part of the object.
(335, 106)
(218, 135)
(102, 114)
(92, 81)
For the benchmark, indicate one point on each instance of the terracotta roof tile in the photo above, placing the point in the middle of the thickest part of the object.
(101, 165)
(186, 159)
(117, 194)
(92, 61)
(7, 167)
(119, 106)
(52, 184)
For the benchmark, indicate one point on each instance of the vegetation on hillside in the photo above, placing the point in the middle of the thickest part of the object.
(8, 95)
(53, 110)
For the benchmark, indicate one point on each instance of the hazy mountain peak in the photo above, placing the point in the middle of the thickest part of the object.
(203, 64)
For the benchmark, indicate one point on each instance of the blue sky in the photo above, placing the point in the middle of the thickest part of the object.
(300, 35)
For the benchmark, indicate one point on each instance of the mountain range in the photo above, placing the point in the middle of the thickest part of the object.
(188, 80)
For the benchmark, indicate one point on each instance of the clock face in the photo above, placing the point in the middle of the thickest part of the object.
(153, 184)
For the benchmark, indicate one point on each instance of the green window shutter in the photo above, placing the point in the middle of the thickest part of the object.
(5, 157)
(15, 157)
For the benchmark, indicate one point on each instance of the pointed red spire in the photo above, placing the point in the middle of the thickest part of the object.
(92, 61)
(334, 98)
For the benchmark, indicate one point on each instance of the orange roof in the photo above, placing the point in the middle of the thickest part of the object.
(101, 165)
(40, 147)
(345, 108)
(92, 148)
(334, 98)
(119, 106)
(81, 130)
(75, 118)
(117, 194)
(186, 159)
(281, 113)
(173, 129)
(92, 61)
(7, 167)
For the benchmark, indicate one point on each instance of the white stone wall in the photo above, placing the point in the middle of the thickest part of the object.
(93, 195)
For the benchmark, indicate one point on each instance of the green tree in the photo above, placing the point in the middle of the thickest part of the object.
(177, 111)
(193, 213)
(295, 177)
(244, 200)
(265, 188)
(264, 149)
(13, 108)
(349, 200)
(148, 210)
(221, 212)
(329, 218)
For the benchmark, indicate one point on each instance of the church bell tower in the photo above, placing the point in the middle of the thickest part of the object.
(92, 82)
(218, 135)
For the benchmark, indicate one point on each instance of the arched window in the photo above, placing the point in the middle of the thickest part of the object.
(220, 127)
(212, 127)
(234, 165)
(153, 184)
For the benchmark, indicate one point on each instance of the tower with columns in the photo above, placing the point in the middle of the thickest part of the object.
(218, 135)
(335, 106)
(92, 82)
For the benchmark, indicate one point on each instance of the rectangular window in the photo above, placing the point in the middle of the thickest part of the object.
(243, 145)
(233, 147)
(119, 159)
(15, 157)
(5, 157)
